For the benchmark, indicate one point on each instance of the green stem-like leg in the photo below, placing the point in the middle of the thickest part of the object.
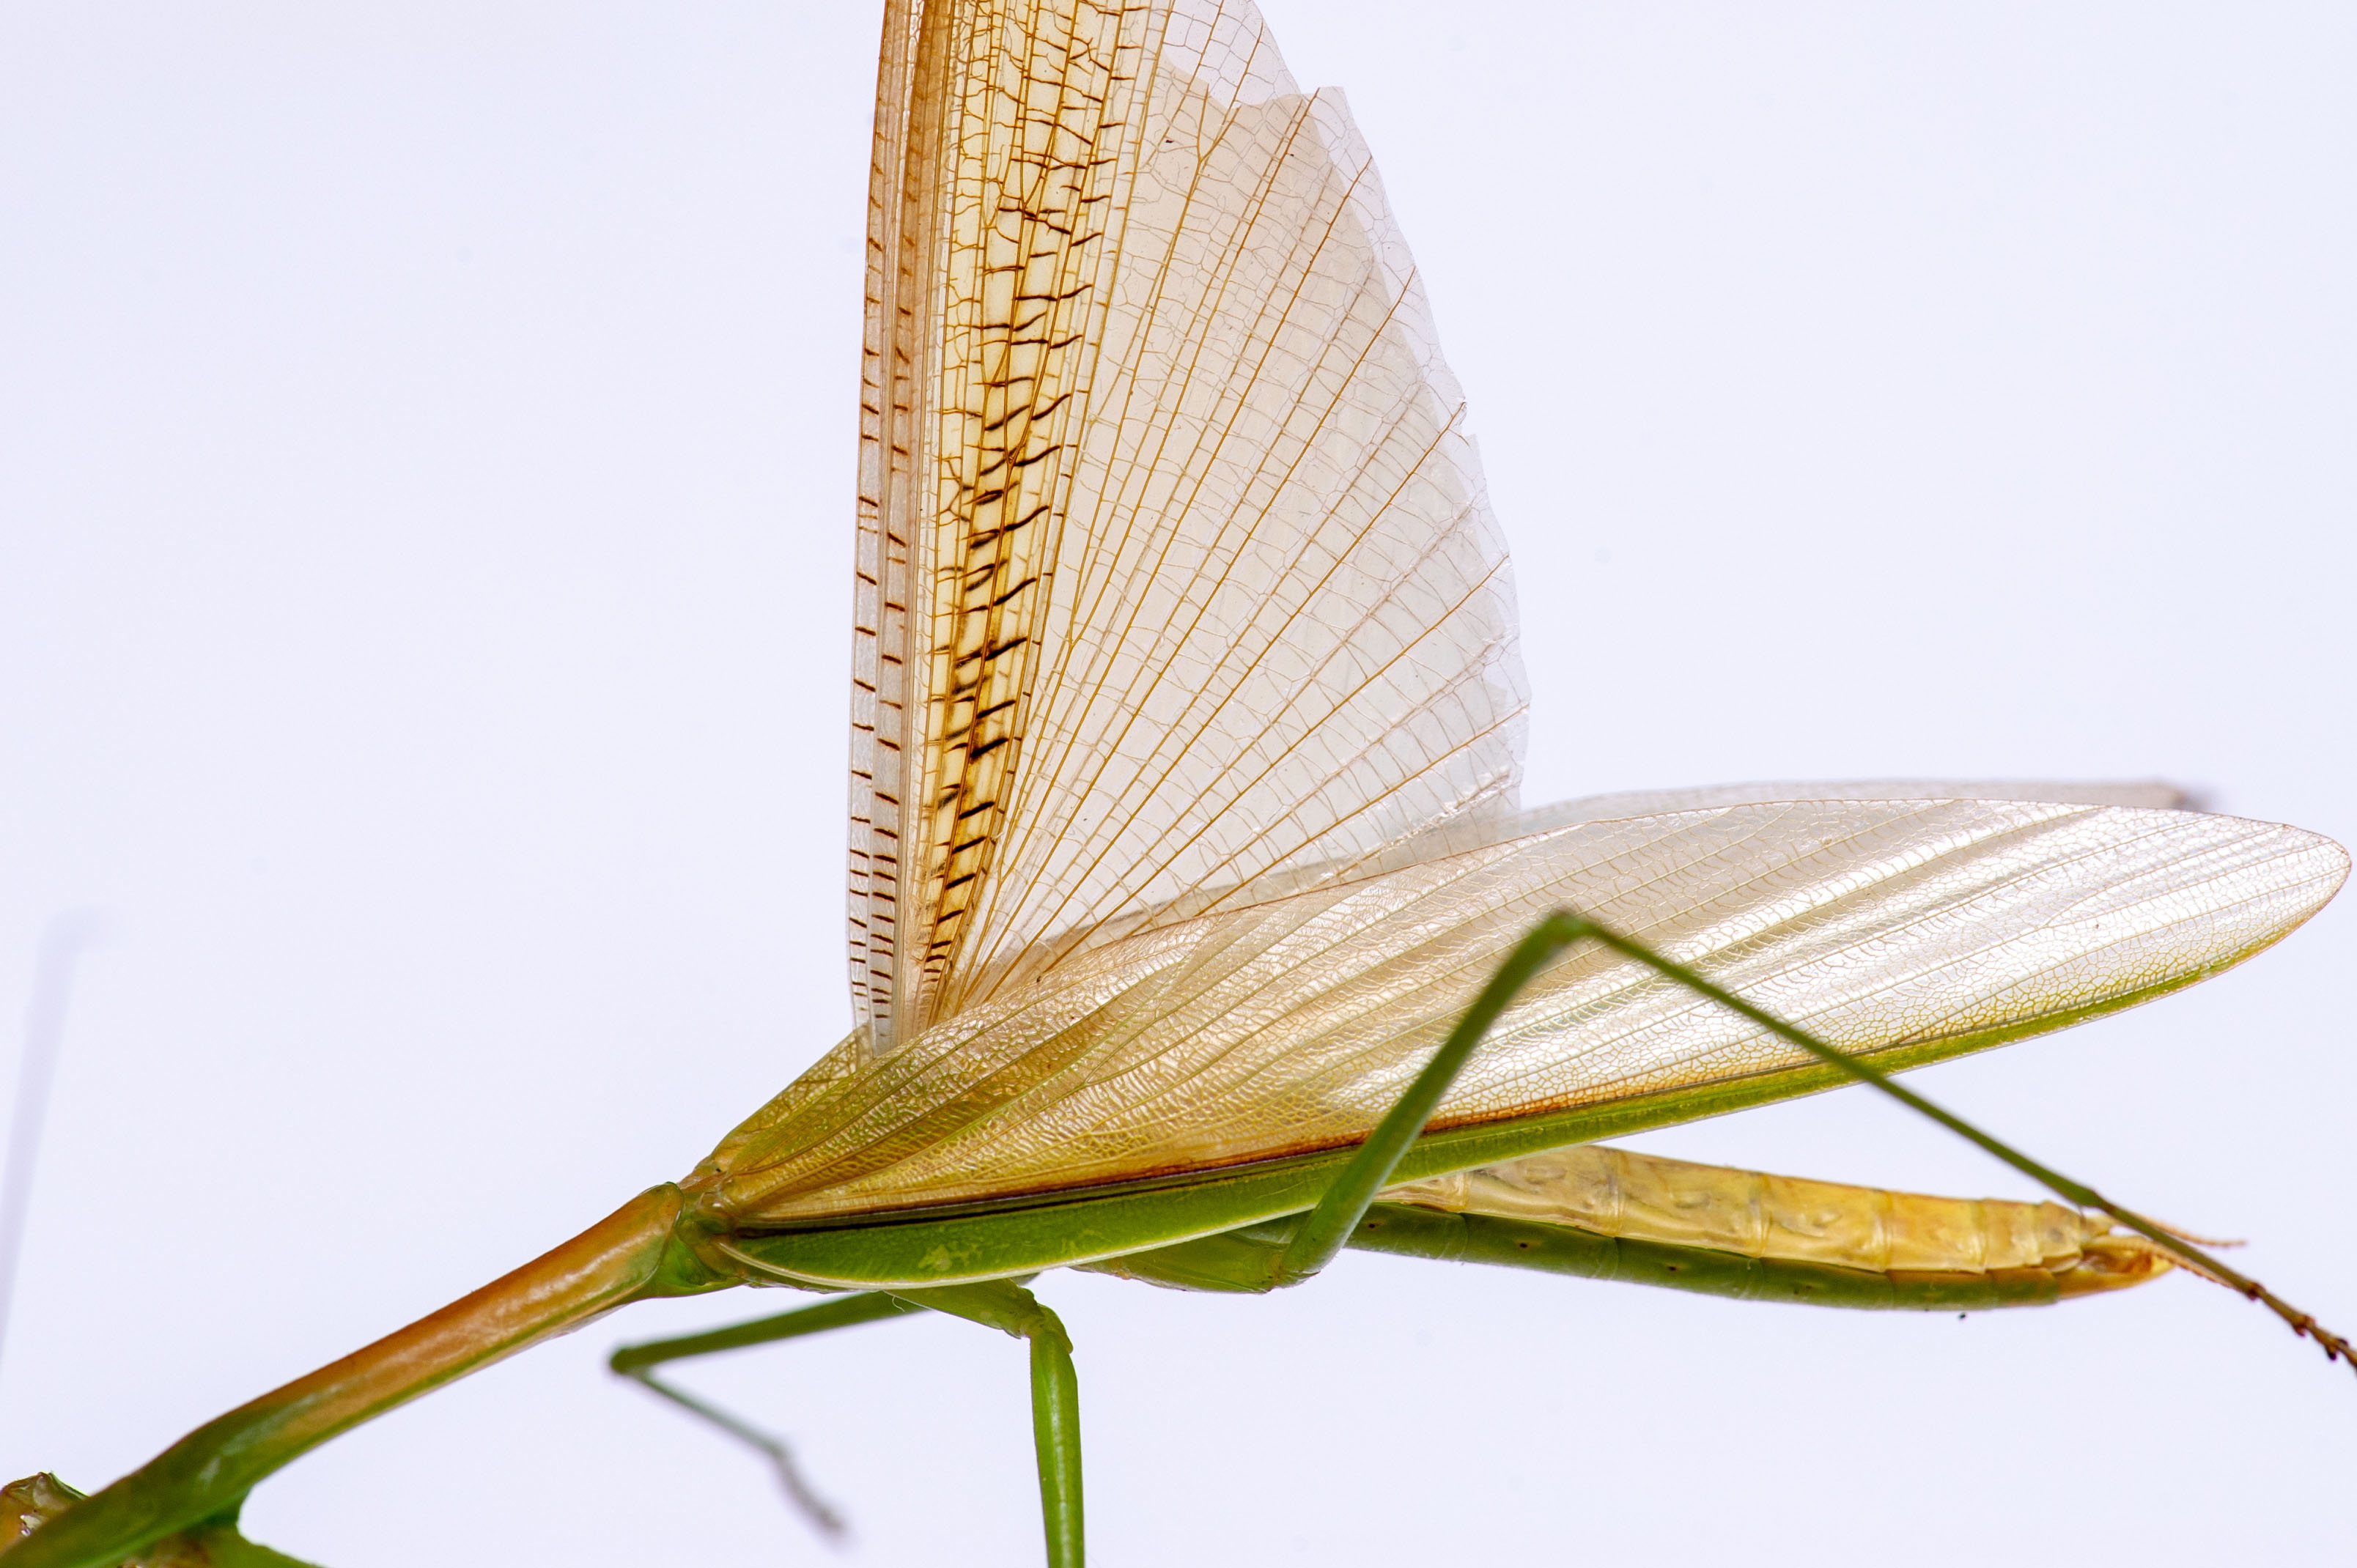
(1055, 1398)
(1570, 929)
(36, 1501)
(1055, 1443)
(1338, 1214)
(839, 1311)
(638, 1362)
(1331, 1224)
(799, 1491)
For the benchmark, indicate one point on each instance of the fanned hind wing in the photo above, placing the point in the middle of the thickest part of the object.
(1175, 569)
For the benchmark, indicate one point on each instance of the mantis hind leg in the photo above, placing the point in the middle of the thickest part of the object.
(28, 1504)
(1293, 1249)
(1006, 1306)
(638, 1362)
(998, 1304)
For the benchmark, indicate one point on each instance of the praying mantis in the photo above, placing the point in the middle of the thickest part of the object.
(1311, 1293)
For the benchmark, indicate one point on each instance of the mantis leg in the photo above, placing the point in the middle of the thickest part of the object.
(1332, 1224)
(1562, 930)
(1249, 1261)
(638, 1362)
(1055, 1398)
(1000, 1305)
(28, 1505)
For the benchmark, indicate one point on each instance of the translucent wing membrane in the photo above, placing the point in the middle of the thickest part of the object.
(1496, 822)
(1292, 1025)
(2151, 792)
(1187, 716)
(1175, 568)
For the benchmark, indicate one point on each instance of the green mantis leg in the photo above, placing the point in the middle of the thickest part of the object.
(1008, 1306)
(1264, 1258)
(1055, 1398)
(1271, 1257)
(1332, 1224)
(1563, 928)
(998, 1304)
(638, 1362)
(28, 1505)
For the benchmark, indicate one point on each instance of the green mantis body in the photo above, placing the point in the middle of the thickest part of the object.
(652, 1247)
(918, 1396)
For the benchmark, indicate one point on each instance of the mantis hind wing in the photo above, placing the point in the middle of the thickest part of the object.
(1175, 567)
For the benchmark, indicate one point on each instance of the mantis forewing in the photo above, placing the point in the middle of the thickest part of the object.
(1584, 687)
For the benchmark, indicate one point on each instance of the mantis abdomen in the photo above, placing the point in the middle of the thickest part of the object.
(1900, 1236)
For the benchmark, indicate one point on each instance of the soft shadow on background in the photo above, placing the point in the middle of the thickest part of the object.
(425, 461)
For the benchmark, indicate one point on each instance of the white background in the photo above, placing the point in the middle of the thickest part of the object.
(426, 441)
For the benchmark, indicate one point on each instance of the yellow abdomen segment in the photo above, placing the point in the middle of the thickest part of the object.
(1613, 1192)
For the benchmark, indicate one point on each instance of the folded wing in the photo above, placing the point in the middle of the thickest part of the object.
(1922, 927)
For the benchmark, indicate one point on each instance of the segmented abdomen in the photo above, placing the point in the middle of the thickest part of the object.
(1613, 1192)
